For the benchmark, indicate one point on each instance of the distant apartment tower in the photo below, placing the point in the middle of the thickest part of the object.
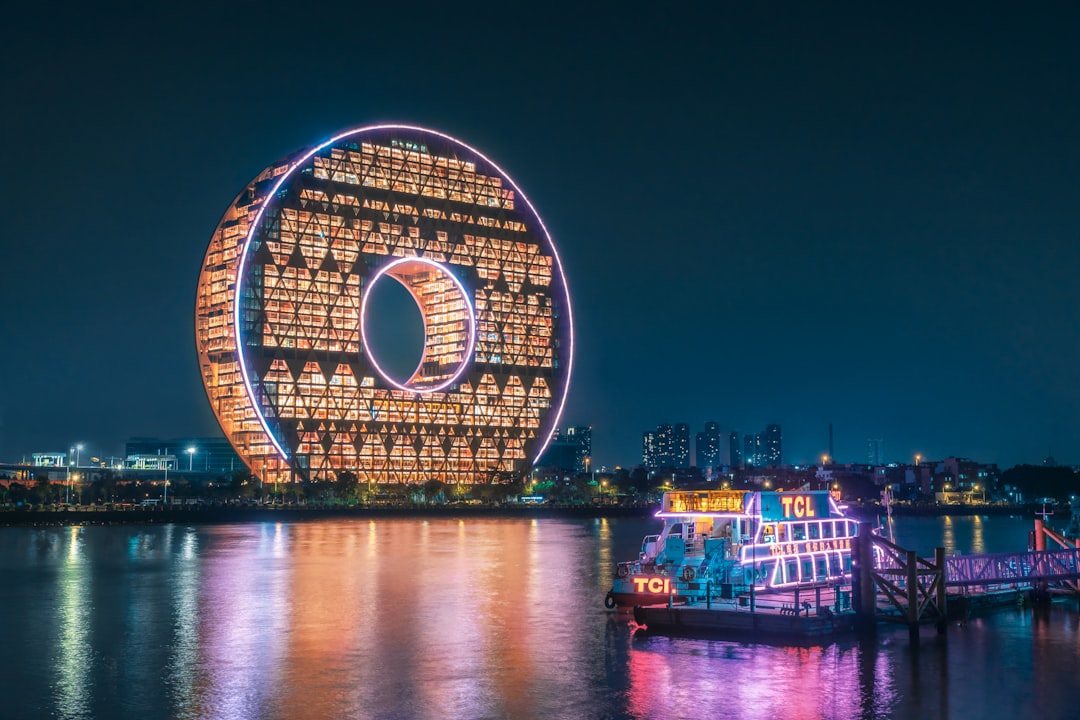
(667, 446)
(735, 456)
(707, 446)
(649, 450)
(874, 451)
(763, 449)
(751, 450)
(680, 445)
(581, 437)
(569, 449)
(771, 446)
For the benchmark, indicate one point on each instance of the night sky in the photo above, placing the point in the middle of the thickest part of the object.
(768, 212)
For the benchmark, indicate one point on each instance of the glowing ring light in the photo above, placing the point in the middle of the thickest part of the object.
(432, 272)
(282, 298)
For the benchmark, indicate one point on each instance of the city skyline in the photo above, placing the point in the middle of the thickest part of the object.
(862, 218)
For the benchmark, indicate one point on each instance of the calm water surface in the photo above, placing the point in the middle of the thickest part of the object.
(469, 618)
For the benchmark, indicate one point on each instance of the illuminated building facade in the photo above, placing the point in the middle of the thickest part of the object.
(282, 305)
(764, 449)
(650, 449)
(707, 446)
(680, 445)
(570, 450)
(772, 446)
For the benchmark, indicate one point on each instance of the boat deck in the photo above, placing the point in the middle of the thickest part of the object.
(818, 613)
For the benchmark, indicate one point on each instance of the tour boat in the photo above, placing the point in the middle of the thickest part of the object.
(722, 542)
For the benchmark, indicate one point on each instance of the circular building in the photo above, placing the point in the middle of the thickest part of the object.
(283, 322)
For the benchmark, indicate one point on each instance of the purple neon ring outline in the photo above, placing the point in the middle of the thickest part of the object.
(412, 128)
(472, 325)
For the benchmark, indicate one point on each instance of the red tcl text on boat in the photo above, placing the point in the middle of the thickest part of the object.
(653, 585)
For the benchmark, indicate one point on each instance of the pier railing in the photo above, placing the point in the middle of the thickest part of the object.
(1041, 565)
(1012, 568)
(914, 588)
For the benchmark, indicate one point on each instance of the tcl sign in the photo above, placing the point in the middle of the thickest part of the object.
(792, 506)
(653, 585)
(797, 507)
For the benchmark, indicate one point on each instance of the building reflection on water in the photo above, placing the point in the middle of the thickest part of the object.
(447, 617)
(74, 651)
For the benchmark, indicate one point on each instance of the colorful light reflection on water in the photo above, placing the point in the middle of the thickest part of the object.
(465, 618)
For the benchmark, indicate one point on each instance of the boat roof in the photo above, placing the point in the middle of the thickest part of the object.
(772, 506)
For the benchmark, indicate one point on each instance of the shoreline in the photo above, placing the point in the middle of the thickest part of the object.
(277, 513)
(200, 514)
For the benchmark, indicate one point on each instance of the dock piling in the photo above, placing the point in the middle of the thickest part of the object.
(942, 596)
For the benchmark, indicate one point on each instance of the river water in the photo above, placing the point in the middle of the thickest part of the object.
(462, 618)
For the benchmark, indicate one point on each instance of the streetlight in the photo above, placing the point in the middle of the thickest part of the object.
(190, 457)
(67, 495)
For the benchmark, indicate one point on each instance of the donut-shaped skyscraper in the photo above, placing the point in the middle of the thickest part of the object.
(282, 314)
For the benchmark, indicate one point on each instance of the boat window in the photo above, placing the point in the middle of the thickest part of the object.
(807, 569)
(792, 571)
(847, 564)
(798, 531)
(834, 564)
(781, 533)
(827, 529)
(851, 527)
(815, 530)
(821, 568)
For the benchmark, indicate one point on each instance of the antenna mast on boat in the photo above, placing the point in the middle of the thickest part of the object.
(886, 500)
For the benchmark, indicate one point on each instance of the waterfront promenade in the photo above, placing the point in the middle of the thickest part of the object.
(251, 512)
(276, 512)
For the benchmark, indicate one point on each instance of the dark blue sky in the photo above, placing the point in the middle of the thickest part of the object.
(768, 214)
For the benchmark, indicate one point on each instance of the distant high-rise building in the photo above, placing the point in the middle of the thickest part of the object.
(665, 445)
(771, 446)
(649, 449)
(581, 437)
(763, 449)
(874, 450)
(734, 451)
(569, 450)
(707, 446)
(750, 450)
(680, 445)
